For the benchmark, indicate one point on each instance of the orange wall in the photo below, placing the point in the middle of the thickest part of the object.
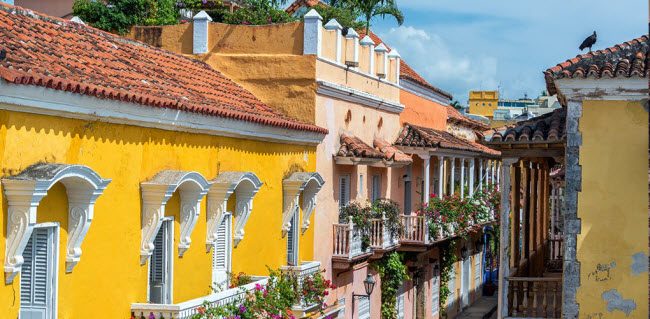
(421, 111)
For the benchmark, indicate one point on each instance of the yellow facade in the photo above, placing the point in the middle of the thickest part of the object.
(483, 102)
(109, 276)
(612, 248)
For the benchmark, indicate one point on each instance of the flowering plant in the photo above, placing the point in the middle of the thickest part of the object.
(239, 280)
(314, 289)
(360, 216)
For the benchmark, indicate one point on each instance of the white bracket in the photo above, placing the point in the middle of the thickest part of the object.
(306, 183)
(24, 192)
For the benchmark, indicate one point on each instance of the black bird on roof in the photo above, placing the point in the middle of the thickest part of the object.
(588, 42)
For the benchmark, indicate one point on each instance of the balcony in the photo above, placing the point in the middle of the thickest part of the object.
(348, 248)
(187, 309)
(307, 268)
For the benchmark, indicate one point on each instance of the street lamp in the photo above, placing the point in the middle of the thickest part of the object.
(369, 286)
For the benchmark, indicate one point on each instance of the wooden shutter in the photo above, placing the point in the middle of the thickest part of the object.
(400, 302)
(435, 294)
(292, 240)
(364, 308)
(221, 254)
(452, 288)
(477, 273)
(376, 187)
(157, 271)
(37, 275)
(344, 190)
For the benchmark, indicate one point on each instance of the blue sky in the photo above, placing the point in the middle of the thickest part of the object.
(466, 45)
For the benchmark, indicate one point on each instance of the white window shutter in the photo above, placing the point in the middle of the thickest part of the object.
(364, 308)
(452, 288)
(344, 190)
(376, 187)
(292, 253)
(221, 253)
(477, 273)
(435, 294)
(400, 302)
(37, 275)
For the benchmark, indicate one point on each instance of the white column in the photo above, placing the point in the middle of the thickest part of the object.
(367, 42)
(352, 35)
(453, 168)
(471, 176)
(333, 25)
(498, 175)
(427, 178)
(441, 174)
(462, 177)
(480, 174)
(312, 33)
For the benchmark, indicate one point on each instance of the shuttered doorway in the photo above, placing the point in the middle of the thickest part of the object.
(160, 265)
(38, 275)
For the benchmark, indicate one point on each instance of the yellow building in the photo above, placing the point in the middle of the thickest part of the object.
(596, 260)
(483, 102)
(133, 177)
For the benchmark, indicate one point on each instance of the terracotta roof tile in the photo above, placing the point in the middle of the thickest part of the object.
(419, 136)
(406, 72)
(63, 55)
(293, 7)
(455, 117)
(391, 152)
(627, 59)
(352, 146)
(550, 127)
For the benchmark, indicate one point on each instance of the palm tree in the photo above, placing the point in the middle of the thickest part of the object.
(456, 105)
(372, 8)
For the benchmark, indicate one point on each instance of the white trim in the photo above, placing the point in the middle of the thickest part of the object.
(357, 71)
(24, 192)
(44, 101)
(423, 92)
(307, 184)
(355, 96)
(612, 89)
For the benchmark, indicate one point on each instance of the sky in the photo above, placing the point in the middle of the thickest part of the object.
(504, 45)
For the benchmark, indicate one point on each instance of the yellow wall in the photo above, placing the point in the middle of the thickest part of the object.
(483, 102)
(109, 276)
(613, 207)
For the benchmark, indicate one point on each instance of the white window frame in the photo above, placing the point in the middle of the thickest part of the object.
(167, 221)
(55, 268)
(346, 195)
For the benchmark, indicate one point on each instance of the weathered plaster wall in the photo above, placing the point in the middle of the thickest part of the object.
(336, 74)
(421, 111)
(109, 276)
(612, 246)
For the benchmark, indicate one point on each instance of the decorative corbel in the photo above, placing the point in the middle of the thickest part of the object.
(243, 210)
(309, 203)
(22, 202)
(190, 210)
(291, 195)
(154, 197)
(81, 204)
(217, 202)
(306, 183)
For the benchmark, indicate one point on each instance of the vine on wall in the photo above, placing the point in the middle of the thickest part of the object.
(447, 260)
(392, 271)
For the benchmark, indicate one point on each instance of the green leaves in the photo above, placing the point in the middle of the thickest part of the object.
(447, 260)
(119, 16)
(392, 271)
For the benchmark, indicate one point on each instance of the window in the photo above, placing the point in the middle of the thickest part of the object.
(489, 104)
(435, 292)
(344, 190)
(364, 308)
(360, 185)
(38, 274)
(221, 253)
(160, 264)
(376, 187)
(292, 240)
(407, 196)
(400, 302)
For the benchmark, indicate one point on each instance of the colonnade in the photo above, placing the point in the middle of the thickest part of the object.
(488, 171)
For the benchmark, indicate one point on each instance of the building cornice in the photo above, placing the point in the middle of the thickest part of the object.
(355, 96)
(423, 92)
(356, 71)
(44, 101)
(617, 88)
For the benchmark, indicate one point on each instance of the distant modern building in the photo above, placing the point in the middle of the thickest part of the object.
(483, 102)
(501, 111)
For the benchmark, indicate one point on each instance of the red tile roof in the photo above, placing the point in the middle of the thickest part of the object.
(627, 59)
(299, 3)
(419, 136)
(352, 146)
(455, 117)
(391, 152)
(550, 127)
(62, 55)
(406, 72)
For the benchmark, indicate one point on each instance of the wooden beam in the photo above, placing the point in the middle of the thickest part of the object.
(516, 215)
(526, 210)
(533, 152)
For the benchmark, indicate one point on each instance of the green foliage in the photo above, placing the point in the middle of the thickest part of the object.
(120, 15)
(239, 279)
(362, 215)
(392, 271)
(369, 9)
(345, 17)
(447, 260)
(273, 300)
(456, 105)
(252, 12)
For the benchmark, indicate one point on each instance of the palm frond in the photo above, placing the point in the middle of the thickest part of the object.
(391, 10)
